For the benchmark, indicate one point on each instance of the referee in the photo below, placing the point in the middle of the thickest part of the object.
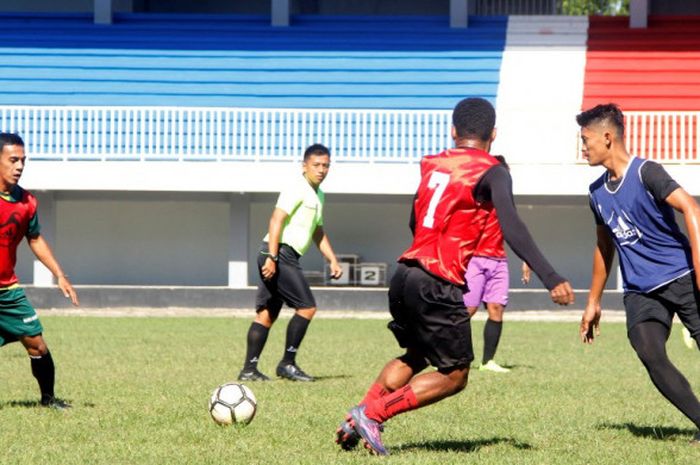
(296, 221)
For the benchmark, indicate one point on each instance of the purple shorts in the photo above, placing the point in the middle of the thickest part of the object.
(487, 279)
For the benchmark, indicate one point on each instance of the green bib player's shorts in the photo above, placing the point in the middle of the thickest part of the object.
(17, 316)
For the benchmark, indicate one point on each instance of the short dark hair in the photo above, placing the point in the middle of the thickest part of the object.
(605, 113)
(474, 117)
(10, 138)
(316, 149)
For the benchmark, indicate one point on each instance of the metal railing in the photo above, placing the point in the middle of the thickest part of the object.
(219, 134)
(249, 134)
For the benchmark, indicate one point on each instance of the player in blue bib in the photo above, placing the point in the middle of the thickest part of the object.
(633, 203)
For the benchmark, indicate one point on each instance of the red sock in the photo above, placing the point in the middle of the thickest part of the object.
(375, 392)
(390, 405)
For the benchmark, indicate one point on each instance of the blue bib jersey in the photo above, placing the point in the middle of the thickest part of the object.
(652, 249)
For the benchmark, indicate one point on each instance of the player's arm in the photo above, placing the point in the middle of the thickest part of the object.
(665, 189)
(43, 252)
(603, 255)
(680, 200)
(496, 185)
(324, 245)
(274, 232)
(412, 219)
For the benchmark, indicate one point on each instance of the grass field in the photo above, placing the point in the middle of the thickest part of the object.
(140, 388)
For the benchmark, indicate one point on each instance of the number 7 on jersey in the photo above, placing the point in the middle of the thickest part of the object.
(437, 181)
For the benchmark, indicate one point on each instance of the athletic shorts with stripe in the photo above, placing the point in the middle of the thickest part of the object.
(430, 317)
(288, 286)
(17, 316)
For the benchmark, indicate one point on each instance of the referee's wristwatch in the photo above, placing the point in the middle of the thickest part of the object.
(274, 258)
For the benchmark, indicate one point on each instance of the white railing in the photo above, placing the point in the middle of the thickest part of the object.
(666, 137)
(219, 134)
(249, 134)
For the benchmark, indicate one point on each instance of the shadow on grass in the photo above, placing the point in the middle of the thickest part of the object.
(322, 378)
(34, 404)
(462, 446)
(653, 432)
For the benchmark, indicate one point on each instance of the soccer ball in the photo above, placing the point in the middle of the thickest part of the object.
(232, 403)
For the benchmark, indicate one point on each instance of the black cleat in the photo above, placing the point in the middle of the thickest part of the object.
(293, 372)
(55, 403)
(252, 375)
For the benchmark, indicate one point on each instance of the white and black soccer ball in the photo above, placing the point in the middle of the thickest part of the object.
(232, 403)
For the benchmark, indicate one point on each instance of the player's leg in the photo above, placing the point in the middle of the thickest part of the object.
(43, 370)
(475, 279)
(688, 311)
(440, 333)
(648, 338)
(268, 304)
(257, 338)
(496, 298)
(295, 290)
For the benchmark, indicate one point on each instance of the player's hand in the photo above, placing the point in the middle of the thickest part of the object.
(336, 270)
(67, 288)
(562, 294)
(268, 269)
(525, 274)
(590, 323)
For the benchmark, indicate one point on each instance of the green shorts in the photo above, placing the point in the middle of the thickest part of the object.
(17, 316)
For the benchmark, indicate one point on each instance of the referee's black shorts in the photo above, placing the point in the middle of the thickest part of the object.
(680, 296)
(288, 286)
(430, 317)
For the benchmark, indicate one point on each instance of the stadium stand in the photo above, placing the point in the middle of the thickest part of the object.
(242, 61)
(655, 71)
(652, 69)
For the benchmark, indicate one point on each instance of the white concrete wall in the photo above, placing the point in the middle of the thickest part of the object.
(183, 239)
(541, 89)
(145, 239)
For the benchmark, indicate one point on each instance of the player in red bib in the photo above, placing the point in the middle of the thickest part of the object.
(18, 219)
(458, 190)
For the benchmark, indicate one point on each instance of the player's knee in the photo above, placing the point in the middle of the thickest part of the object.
(307, 313)
(265, 318)
(457, 379)
(36, 347)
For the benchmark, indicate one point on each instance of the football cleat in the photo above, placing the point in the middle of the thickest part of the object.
(252, 375)
(293, 372)
(55, 403)
(494, 367)
(369, 430)
(346, 436)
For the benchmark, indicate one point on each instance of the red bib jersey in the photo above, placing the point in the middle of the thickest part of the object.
(491, 242)
(449, 220)
(18, 218)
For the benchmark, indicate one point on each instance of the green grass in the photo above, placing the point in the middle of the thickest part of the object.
(140, 388)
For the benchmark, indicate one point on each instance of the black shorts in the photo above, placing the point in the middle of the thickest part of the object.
(679, 296)
(430, 317)
(288, 286)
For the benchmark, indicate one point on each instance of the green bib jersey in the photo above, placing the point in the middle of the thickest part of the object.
(304, 205)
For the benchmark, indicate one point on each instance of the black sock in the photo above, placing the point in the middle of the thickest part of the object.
(257, 337)
(492, 334)
(649, 341)
(45, 373)
(295, 333)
